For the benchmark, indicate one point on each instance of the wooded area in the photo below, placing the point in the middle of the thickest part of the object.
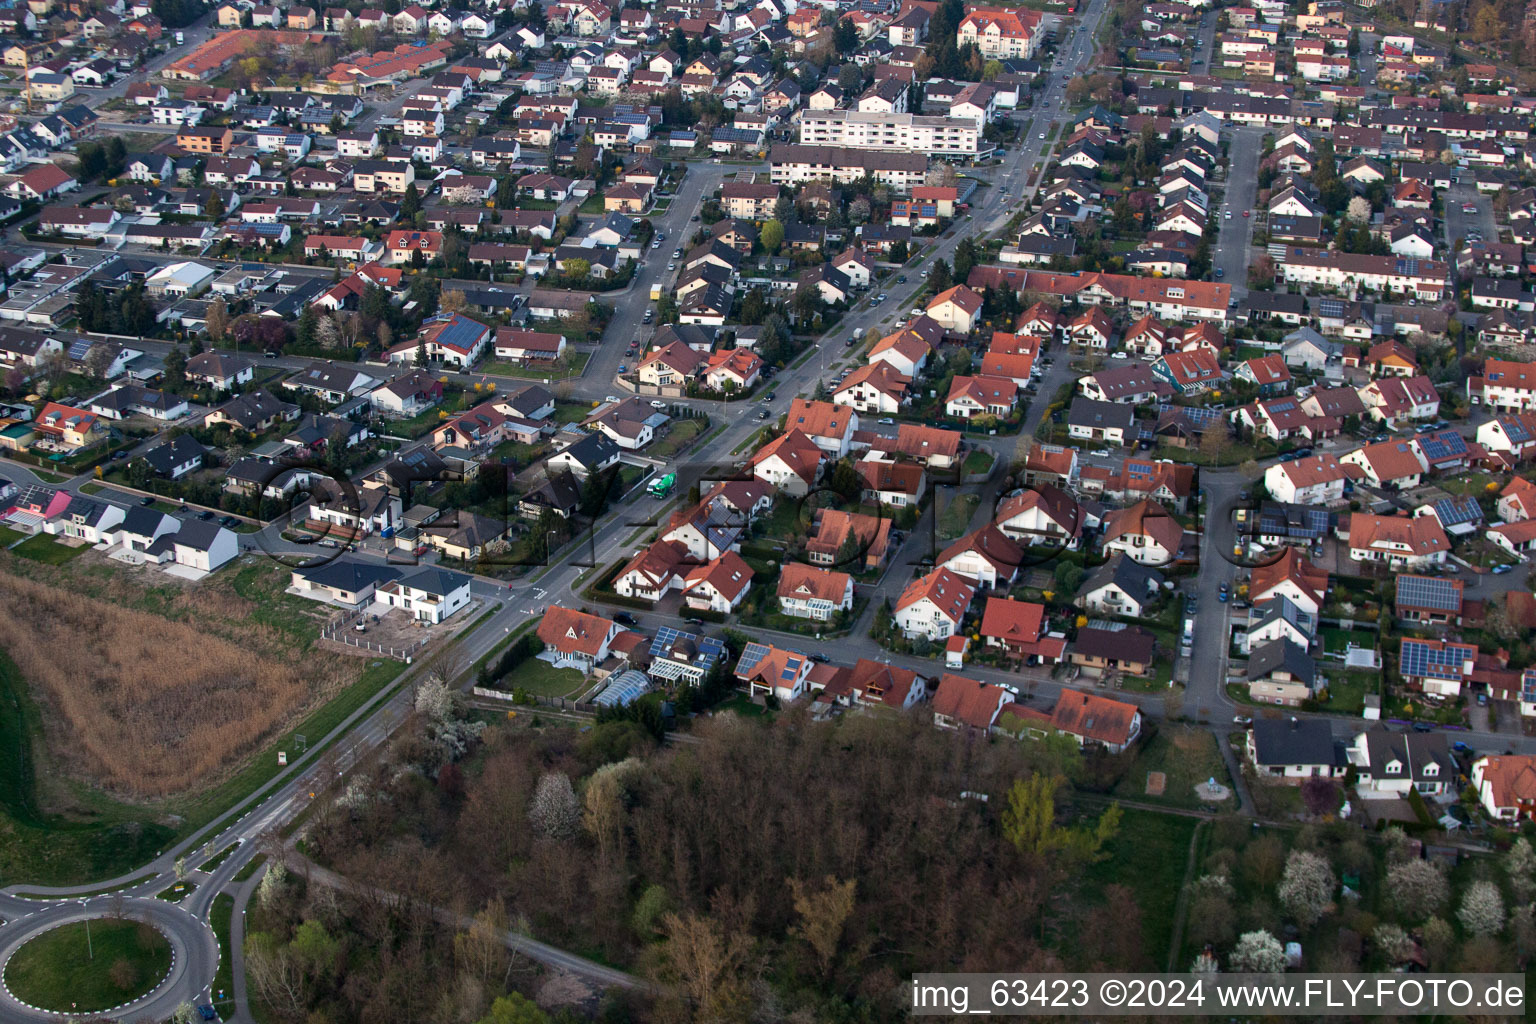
(805, 867)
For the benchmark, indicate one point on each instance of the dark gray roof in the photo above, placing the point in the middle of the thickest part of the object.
(1282, 655)
(142, 521)
(435, 580)
(1086, 412)
(348, 575)
(198, 534)
(593, 450)
(1279, 742)
(167, 455)
(1129, 575)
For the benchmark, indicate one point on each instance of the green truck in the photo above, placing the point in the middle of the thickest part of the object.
(662, 486)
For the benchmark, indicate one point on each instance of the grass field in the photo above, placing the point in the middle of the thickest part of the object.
(43, 548)
(55, 972)
(542, 679)
(1347, 690)
(9, 536)
(1148, 854)
(679, 434)
(1186, 756)
(570, 366)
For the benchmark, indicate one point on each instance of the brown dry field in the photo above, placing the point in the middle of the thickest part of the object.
(150, 703)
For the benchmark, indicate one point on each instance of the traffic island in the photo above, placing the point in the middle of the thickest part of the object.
(89, 967)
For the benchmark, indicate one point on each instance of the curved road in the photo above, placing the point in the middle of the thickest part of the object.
(195, 953)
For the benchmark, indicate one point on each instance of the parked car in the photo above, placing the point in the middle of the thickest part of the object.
(657, 403)
(1500, 570)
(147, 500)
(1241, 720)
(229, 521)
(887, 422)
(624, 619)
(612, 398)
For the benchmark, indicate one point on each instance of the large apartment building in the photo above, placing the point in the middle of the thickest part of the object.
(794, 165)
(900, 133)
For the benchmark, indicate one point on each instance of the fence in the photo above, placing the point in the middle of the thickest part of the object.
(339, 629)
(564, 704)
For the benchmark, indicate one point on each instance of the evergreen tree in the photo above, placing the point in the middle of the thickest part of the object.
(939, 278)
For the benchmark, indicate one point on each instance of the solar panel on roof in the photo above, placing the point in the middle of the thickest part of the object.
(1444, 445)
(1420, 659)
(751, 656)
(1455, 511)
(79, 348)
(1428, 592)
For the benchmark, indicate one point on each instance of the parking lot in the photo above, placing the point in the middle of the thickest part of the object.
(1459, 224)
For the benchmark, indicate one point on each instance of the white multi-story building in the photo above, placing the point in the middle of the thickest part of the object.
(901, 133)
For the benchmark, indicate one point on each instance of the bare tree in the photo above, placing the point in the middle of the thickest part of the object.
(217, 319)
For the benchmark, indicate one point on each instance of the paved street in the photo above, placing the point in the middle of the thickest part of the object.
(1232, 251)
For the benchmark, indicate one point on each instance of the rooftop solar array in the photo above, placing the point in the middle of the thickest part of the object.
(1429, 592)
(1458, 511)
(1296, 524)
(1200, 416)
(1447, 444)
(1515, 430)
(751, 655)
(1432, 661)
(707, 649)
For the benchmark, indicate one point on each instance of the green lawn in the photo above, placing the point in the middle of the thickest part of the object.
(1186, 756)
(955, 519)
(516, 451)
(9, 536)
(572, 412)
(542, 679)
(742, 705)
(1468, 483)
(1337, 641)
(592, 205)
(422, 422)
(571, 366)
(679, 434)
(219, 916)
(978, 461)
(1347, 691)
(43, 548)
(55, 971)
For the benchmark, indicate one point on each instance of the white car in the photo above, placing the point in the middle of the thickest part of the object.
(615, 399)
(657, 403)
(671, 266)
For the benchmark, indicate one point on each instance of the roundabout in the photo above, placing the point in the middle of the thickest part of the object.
(143, 957)
(89, 966)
